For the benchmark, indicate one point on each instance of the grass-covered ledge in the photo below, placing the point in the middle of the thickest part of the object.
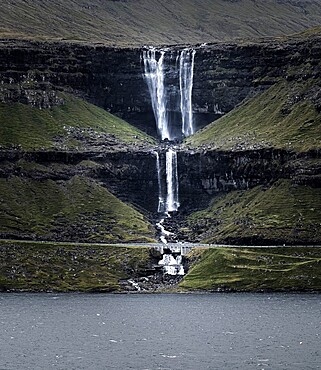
(254, 269)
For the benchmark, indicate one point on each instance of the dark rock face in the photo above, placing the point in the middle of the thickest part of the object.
(131, 176)
(225, 75)
(112, 78)
(204, 174)
(34, 73)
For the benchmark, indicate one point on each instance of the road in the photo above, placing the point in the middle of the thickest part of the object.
(155, 245)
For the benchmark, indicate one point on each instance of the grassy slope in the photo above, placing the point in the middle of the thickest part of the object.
(282, 213)
(155, 22)
(32, 128)
(62, 267)
(254, 269)
(77, 209)
(284, 116)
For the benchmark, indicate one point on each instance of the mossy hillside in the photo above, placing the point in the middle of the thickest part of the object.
(72, 125)
(281, 213)
(256, 269)
(155, 22)
(77, 209)
(64, 267)
(284, 116)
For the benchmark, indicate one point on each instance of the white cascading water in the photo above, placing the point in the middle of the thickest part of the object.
(186, 72)
(154, 73)
(155, 78)
(172, 202)
(171, 265)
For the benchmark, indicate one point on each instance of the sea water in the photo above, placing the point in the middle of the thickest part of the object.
(160, 331)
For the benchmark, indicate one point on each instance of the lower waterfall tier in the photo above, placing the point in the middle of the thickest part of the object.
(217, 183)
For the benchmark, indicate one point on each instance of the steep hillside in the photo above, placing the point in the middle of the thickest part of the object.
(79, 209)
(74, 124)
(280, 213)
(58, 150)
(155, 22)
(287, 115)
(63, 267)
(54, 193)
(255, 269)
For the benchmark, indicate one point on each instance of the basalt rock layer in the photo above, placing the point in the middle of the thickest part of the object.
(112, 78)
(208, 173)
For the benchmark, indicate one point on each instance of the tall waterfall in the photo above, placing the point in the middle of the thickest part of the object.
(155, 77)
(170, 87)
(186, 72)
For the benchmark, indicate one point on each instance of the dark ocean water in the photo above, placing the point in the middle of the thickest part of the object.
(174, 331)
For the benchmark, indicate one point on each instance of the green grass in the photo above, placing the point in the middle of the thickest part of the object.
(255, 269)
(154, 22)
(284, 116)
(282, 213)
(32, 128)
(77, 209)
(62, 267)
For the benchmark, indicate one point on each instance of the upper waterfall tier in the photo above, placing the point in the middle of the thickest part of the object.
(170, 86)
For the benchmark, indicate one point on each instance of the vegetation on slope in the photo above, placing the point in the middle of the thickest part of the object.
(155, 22)
(287, 115)
(67, 267)
(255, 269)
(282, 213)
(76, 124)
(77, 209)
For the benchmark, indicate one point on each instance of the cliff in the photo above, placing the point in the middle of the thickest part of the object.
(72, 170)
(225, 74)
(263, 96)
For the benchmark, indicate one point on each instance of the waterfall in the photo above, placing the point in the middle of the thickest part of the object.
(172, 203)
(155, 78)
(162, 97)
(154, 73)
(167, 189)
(186, 72)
